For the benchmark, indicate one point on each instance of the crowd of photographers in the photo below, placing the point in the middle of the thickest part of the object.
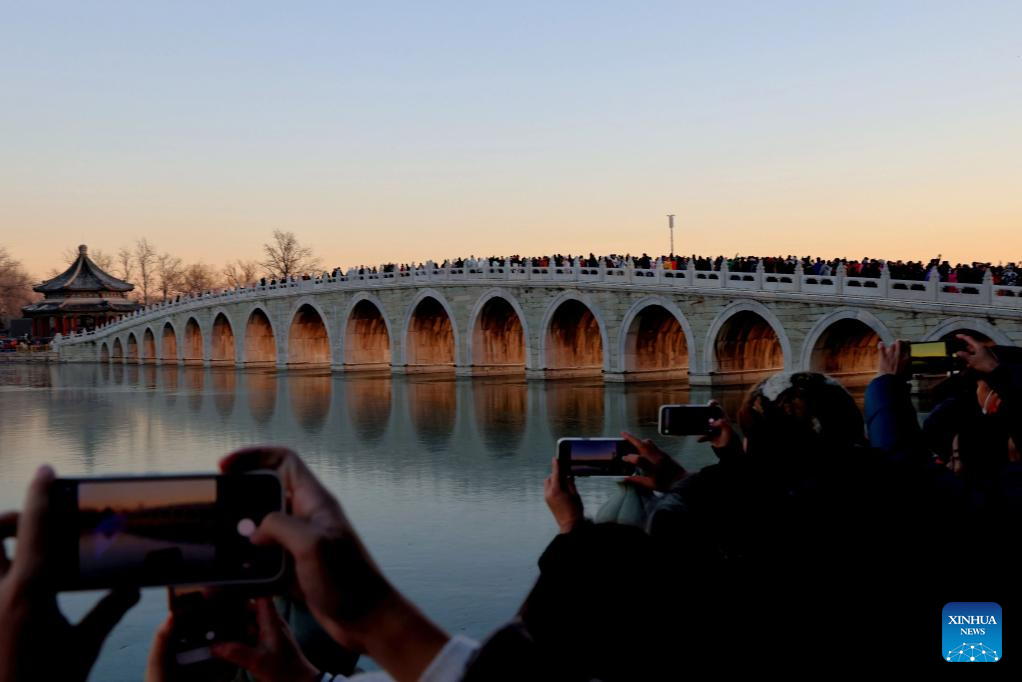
(813, 512)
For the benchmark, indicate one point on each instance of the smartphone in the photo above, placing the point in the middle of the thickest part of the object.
(204, 616)
(688, 420)
(165, 530)
(595, 456)
(931, 357)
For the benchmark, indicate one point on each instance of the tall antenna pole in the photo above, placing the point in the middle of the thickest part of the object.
(670, 226)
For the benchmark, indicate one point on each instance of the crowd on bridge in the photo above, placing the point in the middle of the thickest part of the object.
(814, 514)
(964, 273)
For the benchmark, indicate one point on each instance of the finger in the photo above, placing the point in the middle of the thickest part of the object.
(254, 458)
(8, 528)
(570, 484)
(97, 623)
(632, 439)
(237, 654)
(159, 664)
(555, 469)
(642, 481)
(631, 459)
(33, 526)
(301, 484)
(270, 623)
(293, 534)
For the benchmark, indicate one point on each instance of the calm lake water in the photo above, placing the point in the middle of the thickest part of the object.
(442, 477)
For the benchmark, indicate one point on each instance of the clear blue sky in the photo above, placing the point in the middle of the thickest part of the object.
(381, 131)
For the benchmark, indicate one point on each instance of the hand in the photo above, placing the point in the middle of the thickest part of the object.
(977, 356)
(335, 576)
(277, 656)
(36, 640)
(722, 433)
(161, 666)
(662, 471)
(894, 359)
(562, 498)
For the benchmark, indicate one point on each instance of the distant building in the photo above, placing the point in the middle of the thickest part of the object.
(82, 297)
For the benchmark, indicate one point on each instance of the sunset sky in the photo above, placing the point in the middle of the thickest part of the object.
(381, 131)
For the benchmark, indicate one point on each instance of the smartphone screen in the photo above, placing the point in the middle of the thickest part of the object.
(687, 420)
(167, 530)
(595, 456)
(930, 357)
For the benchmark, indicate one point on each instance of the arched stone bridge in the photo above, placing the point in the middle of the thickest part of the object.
(550, 322)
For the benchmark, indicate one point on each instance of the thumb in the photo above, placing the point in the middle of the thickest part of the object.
(97, 623)
(159, 664)
(237, 654)
(293, 534)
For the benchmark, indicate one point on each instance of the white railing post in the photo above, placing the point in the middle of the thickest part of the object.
(799, 276)
(839, 278)
(934, 283)
(885, 281)
(760, 271)
(723, 274)
(986, 291)
(690, 272)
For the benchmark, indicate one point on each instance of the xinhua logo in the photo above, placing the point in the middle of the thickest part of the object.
(970, 632)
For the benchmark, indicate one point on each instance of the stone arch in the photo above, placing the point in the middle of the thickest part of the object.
(222, 343)
(260, 340)
(117, 353)
(104, 352)
(431, 336)
(366, 336)
(746, 341)
(655, 341)
(573, 338)
(498, 334)
(148, 345)
(844, 342)
(957, 325)
(132, 348)
(308, 338)
(168, 343)
(192, 352)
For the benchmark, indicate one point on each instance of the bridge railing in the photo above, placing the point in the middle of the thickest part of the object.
(837, 284)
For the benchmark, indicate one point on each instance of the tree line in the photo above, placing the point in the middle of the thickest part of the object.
(160, 275)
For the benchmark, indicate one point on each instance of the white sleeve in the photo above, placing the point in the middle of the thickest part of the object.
(448, 665)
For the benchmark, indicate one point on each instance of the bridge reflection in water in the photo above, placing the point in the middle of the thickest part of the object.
(442, 475)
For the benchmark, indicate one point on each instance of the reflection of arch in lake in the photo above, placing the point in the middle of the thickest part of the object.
(169, 378)
(131, 375)
(369, 405)
(310, 398)
(225, 388)
(500, 412)
(149, 376)
(433, 405)
(575, 408)
(261, 387)
(194, 383)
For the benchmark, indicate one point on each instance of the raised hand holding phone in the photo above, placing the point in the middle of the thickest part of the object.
(31, 625)
(334, 573)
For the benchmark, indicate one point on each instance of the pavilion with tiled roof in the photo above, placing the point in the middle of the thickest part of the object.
(82, 297)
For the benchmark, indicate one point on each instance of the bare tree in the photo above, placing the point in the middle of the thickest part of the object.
(145, 260)
(169, 273)
(125, 264)
(100, 258)
(198, 278)
(240, 273)
(286, 257)
(15, 287)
